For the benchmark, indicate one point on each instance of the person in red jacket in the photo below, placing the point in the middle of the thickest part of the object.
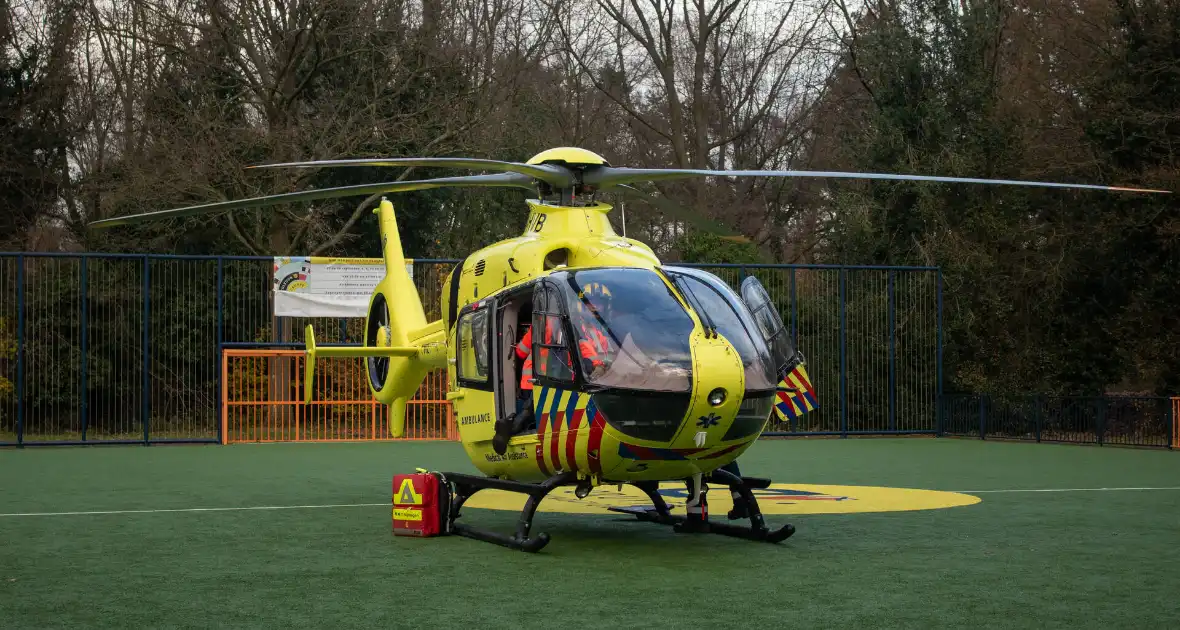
(593, 344)
(524, 352)
(523, 416)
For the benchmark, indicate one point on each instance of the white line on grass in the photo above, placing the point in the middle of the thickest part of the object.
(1061, 490)
(349, 505)
(215, 509)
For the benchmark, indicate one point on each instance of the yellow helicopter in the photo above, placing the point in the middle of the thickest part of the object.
(641, 372)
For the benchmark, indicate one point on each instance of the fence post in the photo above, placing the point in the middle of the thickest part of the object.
(222, 411)
(220, 383)
(20, 351)
(82, 323)
(982, 419)
(794, 313)
(1173, 421)
(893, 363)
(938, 355)
(147, 353)
(1037, 414)
(1100, 418)
(843, 363)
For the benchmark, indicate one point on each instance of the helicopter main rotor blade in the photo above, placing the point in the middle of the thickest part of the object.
(607, 176)
(549, 173)
(513, 180)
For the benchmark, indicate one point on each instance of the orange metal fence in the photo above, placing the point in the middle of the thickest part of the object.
(262, 401)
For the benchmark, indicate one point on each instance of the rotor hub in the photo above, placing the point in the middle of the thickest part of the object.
(568, 155)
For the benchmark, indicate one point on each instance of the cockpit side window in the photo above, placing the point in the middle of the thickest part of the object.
(550, 343)
(771, 326)
(721, 310)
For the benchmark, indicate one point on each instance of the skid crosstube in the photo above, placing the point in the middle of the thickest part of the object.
(466, 485)
(659, 512)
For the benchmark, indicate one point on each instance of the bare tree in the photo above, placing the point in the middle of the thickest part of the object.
(709, 85)
(37, 79)
(196, 92)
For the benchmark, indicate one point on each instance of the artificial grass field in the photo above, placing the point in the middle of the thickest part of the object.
(1077, 559)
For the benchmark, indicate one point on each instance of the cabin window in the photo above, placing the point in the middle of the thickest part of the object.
(473, 361)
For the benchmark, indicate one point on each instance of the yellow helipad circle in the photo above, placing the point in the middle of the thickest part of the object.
(779, 498)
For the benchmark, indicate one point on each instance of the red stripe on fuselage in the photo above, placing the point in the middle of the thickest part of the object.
(728, 449)
(541, 446)
(555, 440)
(571, 440)
(594, 444)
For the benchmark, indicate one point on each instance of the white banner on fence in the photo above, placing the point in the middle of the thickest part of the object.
(313, 286)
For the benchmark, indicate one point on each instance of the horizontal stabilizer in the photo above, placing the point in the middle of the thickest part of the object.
(366, 351)
(342, 351)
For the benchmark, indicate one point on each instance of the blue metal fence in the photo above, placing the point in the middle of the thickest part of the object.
(123, 348)
(871, 338)
(1117, 420)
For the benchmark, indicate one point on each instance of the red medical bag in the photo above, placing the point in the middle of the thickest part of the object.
(420, 505)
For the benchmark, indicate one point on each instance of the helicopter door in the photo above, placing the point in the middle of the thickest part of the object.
(513, 318)
(782, 351)
(475, 372)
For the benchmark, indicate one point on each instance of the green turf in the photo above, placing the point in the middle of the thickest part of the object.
(1071, 559)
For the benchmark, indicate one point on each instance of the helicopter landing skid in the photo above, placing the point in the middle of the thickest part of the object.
(660, 513)
(467, 485)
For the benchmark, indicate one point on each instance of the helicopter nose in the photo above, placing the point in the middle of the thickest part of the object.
(718, 384)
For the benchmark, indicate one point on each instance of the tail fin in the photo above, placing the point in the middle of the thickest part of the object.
(411, 346)
(402, 300)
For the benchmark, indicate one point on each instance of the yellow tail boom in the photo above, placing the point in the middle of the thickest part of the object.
(413, 346)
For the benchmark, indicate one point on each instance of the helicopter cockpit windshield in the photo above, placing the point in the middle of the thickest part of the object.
(629, 328)
(721, 308)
